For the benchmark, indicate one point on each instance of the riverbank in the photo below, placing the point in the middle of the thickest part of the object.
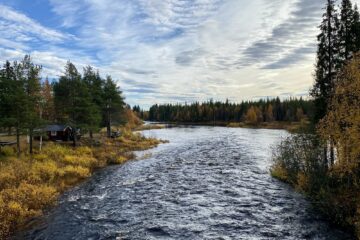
(31, 184)
(289, 126)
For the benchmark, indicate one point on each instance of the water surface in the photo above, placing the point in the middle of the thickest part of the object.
(207, 183)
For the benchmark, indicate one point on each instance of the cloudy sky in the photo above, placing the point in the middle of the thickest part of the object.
(171, 50)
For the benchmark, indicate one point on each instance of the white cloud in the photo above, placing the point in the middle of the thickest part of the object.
(23, 28)
(171, 50)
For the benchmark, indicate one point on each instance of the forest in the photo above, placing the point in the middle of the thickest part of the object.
(324, 163)
(269, 110)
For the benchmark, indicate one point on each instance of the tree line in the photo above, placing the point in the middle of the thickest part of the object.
(325, 162)
(84, 101)
(253, 112)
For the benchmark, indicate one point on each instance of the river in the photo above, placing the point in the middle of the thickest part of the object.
(207, 183)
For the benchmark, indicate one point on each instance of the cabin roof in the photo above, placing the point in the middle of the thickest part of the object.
(56, 128)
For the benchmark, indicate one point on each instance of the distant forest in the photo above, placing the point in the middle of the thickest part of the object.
(269, 110)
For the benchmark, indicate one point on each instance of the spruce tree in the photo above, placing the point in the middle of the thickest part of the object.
(355, 31)
(327, 61)
(346, 41)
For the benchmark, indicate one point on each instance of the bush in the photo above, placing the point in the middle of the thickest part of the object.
(297, 156)
(7, 151)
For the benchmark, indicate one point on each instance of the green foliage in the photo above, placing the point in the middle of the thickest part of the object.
(87, 102)
(20, 96)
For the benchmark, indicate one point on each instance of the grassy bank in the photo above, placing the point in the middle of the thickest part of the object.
(289, 126)
(149, 127)
(31, 184)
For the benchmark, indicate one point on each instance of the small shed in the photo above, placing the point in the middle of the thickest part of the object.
(59, 132)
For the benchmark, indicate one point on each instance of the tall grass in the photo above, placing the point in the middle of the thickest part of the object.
(30, 184)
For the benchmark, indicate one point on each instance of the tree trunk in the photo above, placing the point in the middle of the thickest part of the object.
(108, 127)
(91, 134)
(18, 141)
(74, 137)
(325, 157)
(31, 141)
(41, 142)
(332, 153)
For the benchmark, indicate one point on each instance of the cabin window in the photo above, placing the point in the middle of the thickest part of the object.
(53, 133)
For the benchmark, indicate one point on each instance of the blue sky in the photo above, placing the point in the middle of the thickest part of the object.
(171, 50)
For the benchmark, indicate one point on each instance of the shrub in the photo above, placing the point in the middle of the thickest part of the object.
(298, 155)
(7, 151)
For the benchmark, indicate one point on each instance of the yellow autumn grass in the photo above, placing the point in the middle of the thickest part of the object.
(30, 184)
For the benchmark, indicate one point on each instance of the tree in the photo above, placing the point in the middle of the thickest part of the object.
(269, 113)
(346, 40)
(356, 29)
(94, 84)
(7, 92)
(327, 61)
(30, 75)
(342, 123)
(113, 103)
(251, 116)
(47, 108)
(72, 101)
(20, 92)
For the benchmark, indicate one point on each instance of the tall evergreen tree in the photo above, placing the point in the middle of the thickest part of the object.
(345, 34)
(356, 29)
(30, 75)
(94, 84)
(327, 61)
(72, 101)
(113, 103)
(19, 95)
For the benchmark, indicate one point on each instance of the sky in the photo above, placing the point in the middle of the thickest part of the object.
(172, 51)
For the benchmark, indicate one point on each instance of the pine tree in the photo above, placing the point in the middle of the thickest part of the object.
(113, 103)
(94, 84)
(73, 102)
(19, 95)
(32, 86)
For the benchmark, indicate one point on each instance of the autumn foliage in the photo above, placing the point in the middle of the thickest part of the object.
(30, 184)
(303, 159)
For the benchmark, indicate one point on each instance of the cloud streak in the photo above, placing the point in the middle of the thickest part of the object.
(173, 51)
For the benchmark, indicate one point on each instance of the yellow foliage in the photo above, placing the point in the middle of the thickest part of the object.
(7, 151)
(21, 203)
(31, 183)
(118, 160)
(251, 115)
(279, 172)
(46, 171)
(302, 183)
(341, 124)
(76, 171)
